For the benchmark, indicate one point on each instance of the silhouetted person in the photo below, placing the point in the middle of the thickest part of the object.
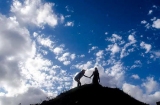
(79, 76)
(95, 75)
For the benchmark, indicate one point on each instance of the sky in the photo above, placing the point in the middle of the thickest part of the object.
(44, 43)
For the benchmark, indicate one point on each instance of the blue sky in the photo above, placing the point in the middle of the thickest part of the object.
(44, 43)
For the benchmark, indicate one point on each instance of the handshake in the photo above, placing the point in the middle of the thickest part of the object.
(87, 76)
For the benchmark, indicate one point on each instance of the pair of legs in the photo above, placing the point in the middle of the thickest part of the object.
(78, 82)
(95, 81)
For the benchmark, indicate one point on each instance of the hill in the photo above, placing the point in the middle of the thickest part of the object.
(93, 94)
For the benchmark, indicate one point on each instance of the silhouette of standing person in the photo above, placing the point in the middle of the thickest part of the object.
(95, 75)
(79, 76)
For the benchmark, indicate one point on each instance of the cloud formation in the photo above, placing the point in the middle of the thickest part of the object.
(35, 12)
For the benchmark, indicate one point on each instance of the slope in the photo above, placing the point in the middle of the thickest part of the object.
(93, 94)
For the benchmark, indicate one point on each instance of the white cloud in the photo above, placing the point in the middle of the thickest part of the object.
(135, 76)
(156, 53)
(133, 90)
(22, 64)
(15, 46)
(20, 49)
(67, 16)
(100, 53)
(150, 12)
(69, 24)
(114, 38)
(153, 19)
(43, 13)
(31, 96)
(106, 33)
(150, 85)
(113, 48)
(137, 63)
(66, 58)
(156, 24)
(137, 92)
(132, 41)
(58, 50)
(145, 46)
(82, 56)
(45, 41)
(93, 48)
(143, 22)
(69, 9)
(66, 62)
(154, 6)
(86, 65)
(73, 56)
(116, 74)
(131, 38)
(147, 25)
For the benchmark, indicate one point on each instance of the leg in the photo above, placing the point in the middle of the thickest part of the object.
(79, 83)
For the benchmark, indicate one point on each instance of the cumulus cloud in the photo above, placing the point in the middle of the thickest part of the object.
(150, 12)
(150, 85)
(44, 41)
(22, 62)
(73, 56)
(149, 95)
(19, 63)
(156, 24)
(34, 12)
(31, 96)
(58, 50)
(86, 65)
(15, 46)
(113, 48)
(66, 62)
(66, 58)
(99, 55)
(143, 22)
(69, 9)
(133, 90)
(132, 41)
(135, 76)
(156, 53)
(145, 46)
(114, 38)
(69, 24)
(153, 19)
(82, 56)
(137, 63)
(93, 48)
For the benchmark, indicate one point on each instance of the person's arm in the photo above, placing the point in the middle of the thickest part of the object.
(86, 76)
(91, 75)
(98, 78)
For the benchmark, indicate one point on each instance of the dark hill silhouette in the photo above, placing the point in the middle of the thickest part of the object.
(93, 94)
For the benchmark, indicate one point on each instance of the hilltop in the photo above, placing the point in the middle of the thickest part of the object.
(93, 94)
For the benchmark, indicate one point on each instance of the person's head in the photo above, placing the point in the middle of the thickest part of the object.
(96, 68)
(83, 70)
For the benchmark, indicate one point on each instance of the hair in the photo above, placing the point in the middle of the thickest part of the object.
(83, 70)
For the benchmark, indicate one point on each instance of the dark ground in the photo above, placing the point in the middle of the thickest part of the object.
(93, 95)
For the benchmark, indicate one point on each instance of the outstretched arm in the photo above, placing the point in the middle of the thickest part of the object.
(91, 75)
(86, 76)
